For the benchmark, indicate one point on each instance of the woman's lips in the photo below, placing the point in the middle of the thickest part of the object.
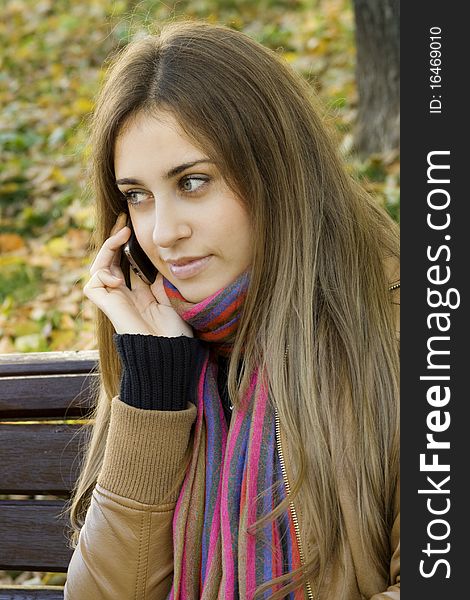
(189, 269)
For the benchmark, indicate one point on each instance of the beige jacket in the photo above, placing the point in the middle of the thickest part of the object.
(125, 546)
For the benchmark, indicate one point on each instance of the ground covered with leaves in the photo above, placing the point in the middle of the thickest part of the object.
(52, 55)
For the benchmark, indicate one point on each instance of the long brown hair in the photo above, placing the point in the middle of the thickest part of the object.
(319, 281)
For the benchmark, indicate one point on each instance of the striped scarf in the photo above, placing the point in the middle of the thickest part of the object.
(214, 555)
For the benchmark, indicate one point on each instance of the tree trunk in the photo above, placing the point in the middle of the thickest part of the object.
(378, 75)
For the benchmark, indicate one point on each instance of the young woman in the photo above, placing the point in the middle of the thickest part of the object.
(245, 440)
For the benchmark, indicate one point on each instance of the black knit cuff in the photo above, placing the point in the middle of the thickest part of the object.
(158, 373)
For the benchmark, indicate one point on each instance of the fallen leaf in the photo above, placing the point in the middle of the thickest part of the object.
(10, 242)
(58, 246)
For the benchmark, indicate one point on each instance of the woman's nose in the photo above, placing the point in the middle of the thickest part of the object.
(169, 226)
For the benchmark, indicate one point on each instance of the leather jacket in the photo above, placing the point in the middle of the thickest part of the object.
(125, 548)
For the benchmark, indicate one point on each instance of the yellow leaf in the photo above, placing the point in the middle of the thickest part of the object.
(58, 176)
(8, 261)
(58, 246)
(290, 56)
(24, 52)
(27, 328)
(10, 187)
(82, 106)
(62, 339)
(57, 70)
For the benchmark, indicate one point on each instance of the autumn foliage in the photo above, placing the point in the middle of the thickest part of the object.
(52, 55)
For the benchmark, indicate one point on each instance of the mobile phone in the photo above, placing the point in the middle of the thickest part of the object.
(139, 262)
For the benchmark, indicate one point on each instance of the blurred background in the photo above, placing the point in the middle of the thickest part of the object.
(52, 54)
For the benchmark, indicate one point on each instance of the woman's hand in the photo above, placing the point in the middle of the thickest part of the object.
(144, 309)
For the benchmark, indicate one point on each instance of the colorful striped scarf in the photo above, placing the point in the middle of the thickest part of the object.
(214, 555)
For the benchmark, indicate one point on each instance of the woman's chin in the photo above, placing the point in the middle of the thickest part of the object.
(202, 285)
(195, 291)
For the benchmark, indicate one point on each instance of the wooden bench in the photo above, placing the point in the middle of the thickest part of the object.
(39, 455)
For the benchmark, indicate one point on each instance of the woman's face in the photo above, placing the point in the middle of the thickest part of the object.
(191, 225)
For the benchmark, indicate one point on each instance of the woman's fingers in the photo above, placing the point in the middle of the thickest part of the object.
(106, 255)
(158, 291)
(109, 255)
(142, 309)
(141, 293)
(104, 278)
(100, 285)
(120, 223)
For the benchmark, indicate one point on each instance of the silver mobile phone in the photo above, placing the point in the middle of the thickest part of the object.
(139, 262)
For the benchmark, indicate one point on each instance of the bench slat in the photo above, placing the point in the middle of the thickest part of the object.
(39, 459)
(39, 363)
(49, 592)
(66, 396)
(33, 536)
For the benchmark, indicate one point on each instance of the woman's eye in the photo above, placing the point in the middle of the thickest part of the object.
(135, 197)
(192, 183)
(189, 185)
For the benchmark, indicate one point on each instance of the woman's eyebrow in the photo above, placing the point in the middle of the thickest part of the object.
(176, 170)
(171, 173)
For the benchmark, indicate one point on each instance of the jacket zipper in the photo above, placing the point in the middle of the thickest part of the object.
(291, 505)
